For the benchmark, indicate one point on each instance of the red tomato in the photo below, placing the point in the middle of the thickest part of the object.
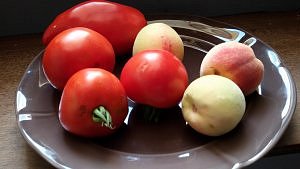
(73, 50)
(154, 77)
(93, 103)
(118, 23)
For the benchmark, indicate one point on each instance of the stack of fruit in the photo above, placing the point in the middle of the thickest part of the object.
(84, 43)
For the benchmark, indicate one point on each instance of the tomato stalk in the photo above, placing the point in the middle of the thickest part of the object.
(151, 114)
(101, 115)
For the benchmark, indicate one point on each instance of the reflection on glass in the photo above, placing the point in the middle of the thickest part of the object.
(285, 78)
(184, 155)
(250, 42)
(24, 117)
(259, 91)
(224, 34)
(274, 58)
(42, 77)
(127, 117)
(195, 43)
(132, 158)
(21, 101)
(236, 35)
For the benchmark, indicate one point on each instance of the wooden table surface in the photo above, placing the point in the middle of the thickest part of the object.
(281, 30)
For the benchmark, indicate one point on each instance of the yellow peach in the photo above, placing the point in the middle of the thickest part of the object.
(159, 36)
(213, 105)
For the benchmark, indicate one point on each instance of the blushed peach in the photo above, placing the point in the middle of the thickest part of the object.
(235, 61)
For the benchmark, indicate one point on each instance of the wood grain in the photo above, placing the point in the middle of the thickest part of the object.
(280, 30)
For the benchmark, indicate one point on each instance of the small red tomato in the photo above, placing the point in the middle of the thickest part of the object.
(93, 103)
(154, 77)
(75, 49)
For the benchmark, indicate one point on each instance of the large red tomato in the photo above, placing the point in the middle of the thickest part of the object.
(73, 50)
(93, 103)
(118, 23)
(154, 77)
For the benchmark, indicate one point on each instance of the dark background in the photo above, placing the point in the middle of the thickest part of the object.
(33, 16)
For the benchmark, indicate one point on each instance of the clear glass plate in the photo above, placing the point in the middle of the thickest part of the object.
(170, 143)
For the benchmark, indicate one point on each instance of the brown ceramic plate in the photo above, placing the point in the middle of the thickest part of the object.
(169, 143)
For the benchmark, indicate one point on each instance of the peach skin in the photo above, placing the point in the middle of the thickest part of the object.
(235, 61)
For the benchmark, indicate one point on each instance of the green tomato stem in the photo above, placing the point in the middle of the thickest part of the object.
(101, 115)
(151, 114)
